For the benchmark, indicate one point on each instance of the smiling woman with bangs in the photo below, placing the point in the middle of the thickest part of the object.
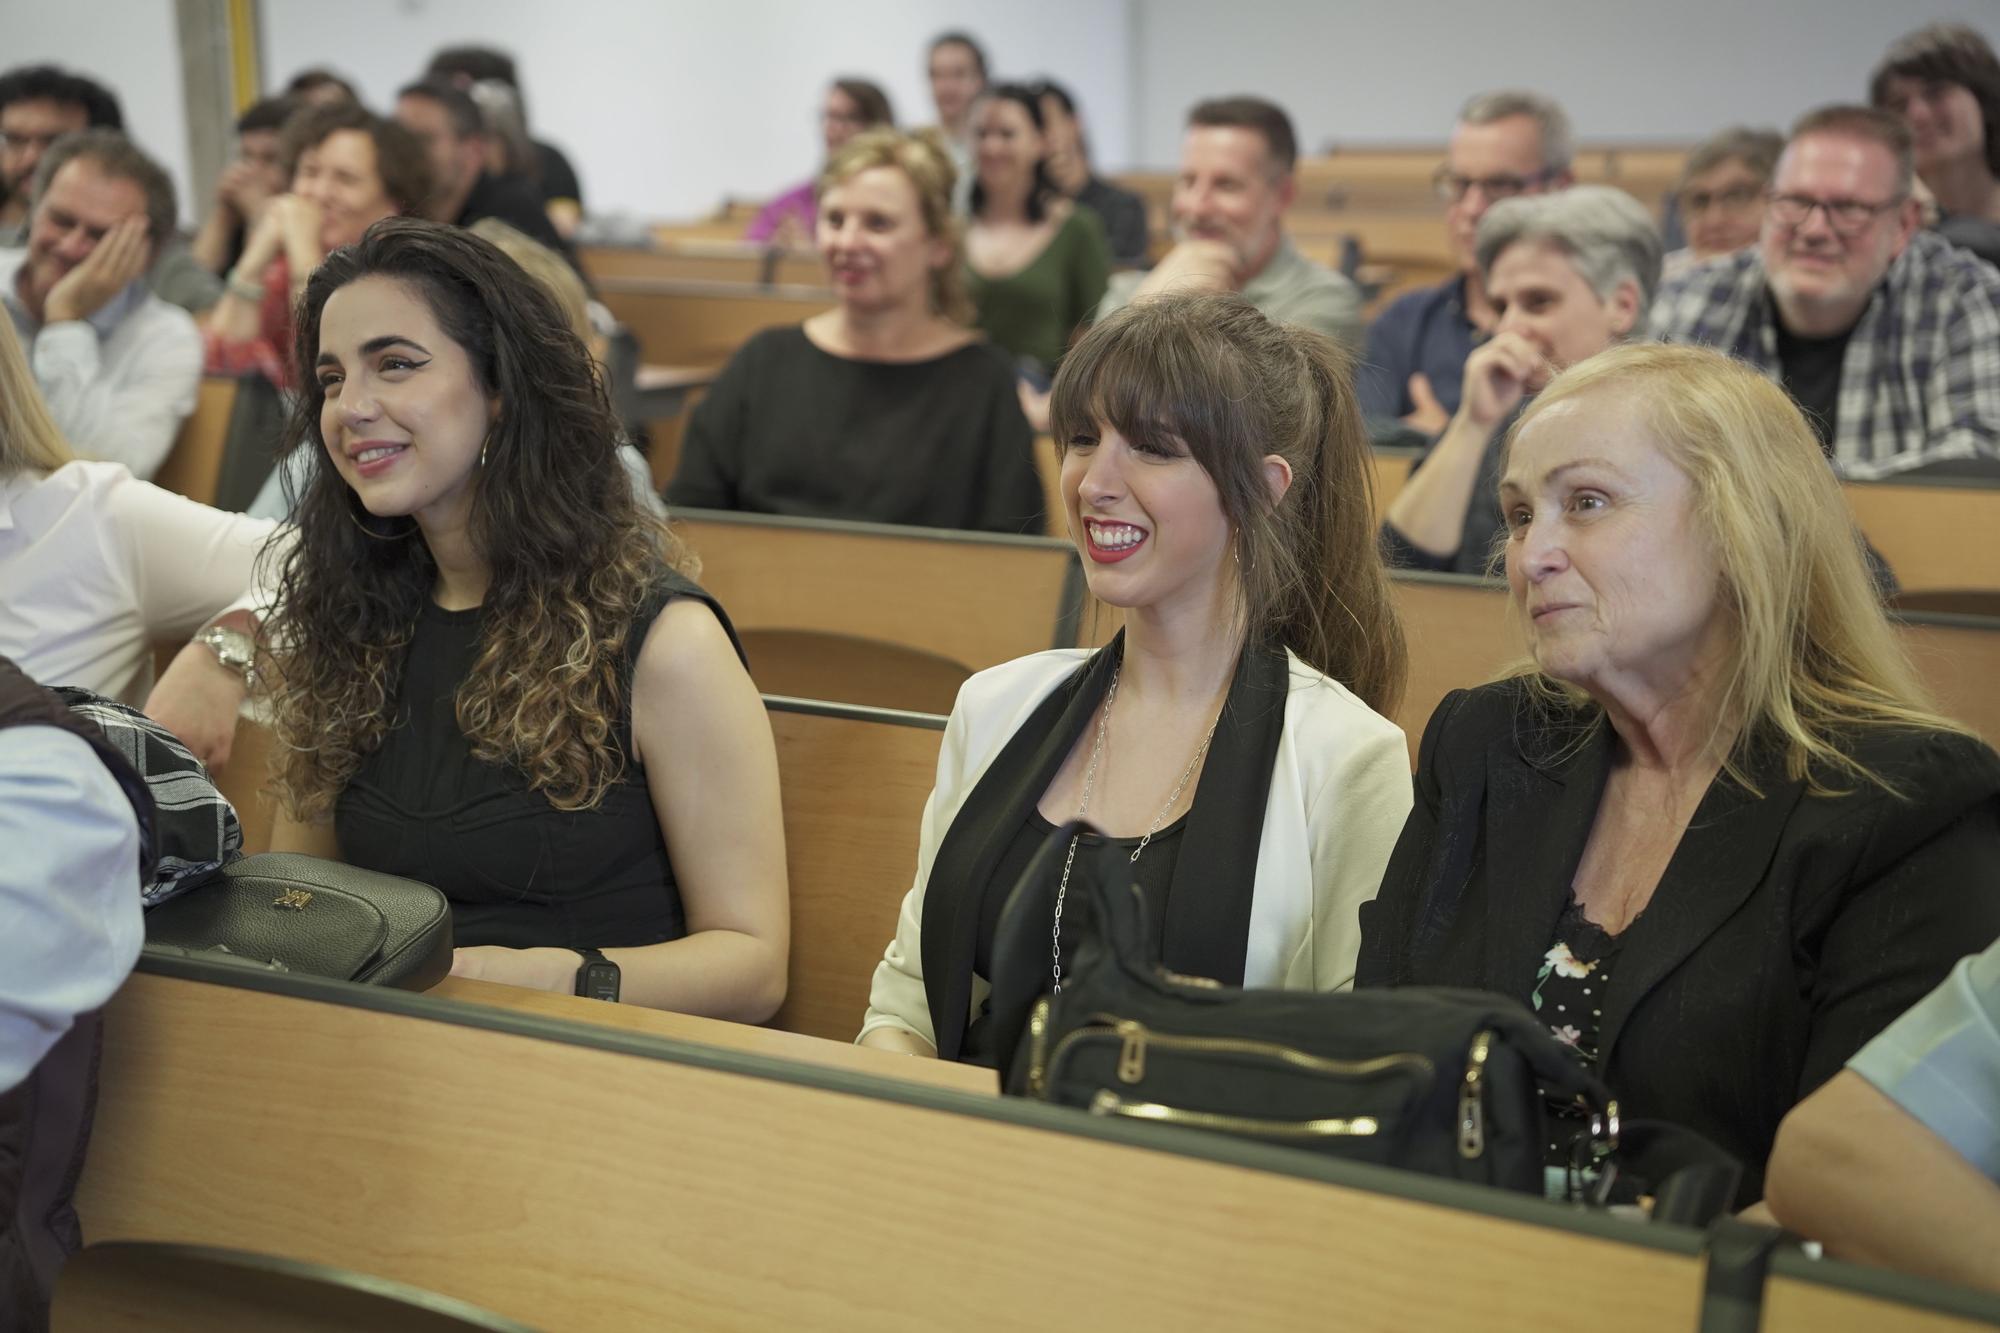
(1216, 482)
(492, 673)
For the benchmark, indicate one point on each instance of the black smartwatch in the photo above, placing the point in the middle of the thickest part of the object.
(597, 979)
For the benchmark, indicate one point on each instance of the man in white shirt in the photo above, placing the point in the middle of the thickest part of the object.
(120, 368)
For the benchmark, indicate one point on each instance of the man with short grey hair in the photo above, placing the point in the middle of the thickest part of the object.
(1506, 144)
(1887, 336)
(120, 367)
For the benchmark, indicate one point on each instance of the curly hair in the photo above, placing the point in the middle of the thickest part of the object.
(400, 159)
(572, 555)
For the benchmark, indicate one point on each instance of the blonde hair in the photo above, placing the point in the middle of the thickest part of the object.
(1815, 655)
(551, 273)
(29, 439)
(922, 158)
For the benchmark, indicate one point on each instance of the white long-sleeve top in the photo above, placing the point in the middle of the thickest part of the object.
(1340, 791)
(120, 383)
(95, 566)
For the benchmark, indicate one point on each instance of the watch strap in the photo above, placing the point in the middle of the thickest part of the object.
(598, 978)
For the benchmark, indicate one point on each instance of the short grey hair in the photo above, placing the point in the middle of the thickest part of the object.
(118, 157)
(1551, 121)
(1606, 234)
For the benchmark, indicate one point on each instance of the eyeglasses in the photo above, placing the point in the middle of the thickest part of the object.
(1735, 199)
(1452, 187)
(1845, 216)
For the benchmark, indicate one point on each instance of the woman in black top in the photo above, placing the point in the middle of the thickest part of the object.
(490, 673)
(1714, 835)
(885, 408)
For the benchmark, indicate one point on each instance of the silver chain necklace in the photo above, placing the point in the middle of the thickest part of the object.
(1083, 808)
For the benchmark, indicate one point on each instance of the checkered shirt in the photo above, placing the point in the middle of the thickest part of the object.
(1921, 380)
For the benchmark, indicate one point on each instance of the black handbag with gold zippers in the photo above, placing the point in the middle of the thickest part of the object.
(1447, 1082)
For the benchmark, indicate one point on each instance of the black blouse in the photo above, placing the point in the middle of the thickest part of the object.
(518, 872)
(792, 429)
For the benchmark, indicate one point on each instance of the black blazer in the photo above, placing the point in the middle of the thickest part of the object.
(1787, 930)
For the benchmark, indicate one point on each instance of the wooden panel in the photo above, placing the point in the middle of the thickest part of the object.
(854, 793)
(777, 1044)
(193, 467)
(697, 324)
(705, 261)
(1792, 1306)
(1960, 663)
(811, 664)
(1392, 469)
(977, 601)
(1932, 536)
(560, 1185)
(1048, 468)
(1459, 636)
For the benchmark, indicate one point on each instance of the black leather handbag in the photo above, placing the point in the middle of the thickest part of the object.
(314, 916)
(1447, 1082)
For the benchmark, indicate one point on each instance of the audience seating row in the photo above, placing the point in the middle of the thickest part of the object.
(714, 1186)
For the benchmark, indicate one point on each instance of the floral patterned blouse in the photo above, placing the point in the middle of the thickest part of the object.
(1569, 993)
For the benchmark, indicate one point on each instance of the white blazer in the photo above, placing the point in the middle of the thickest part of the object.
(1340, 790)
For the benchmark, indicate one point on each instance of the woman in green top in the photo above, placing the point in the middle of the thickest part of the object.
(1036, 265)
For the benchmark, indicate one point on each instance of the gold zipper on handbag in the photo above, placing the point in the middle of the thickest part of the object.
(1135, 1039)
(1109, 1103)
(1472, 1098)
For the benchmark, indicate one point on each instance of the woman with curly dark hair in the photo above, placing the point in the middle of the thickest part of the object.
(489, 671)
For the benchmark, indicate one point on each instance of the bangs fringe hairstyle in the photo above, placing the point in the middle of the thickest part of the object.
(1815, 655)
(573, 555)
(920, 156)
(1210, 376)
(29, 439)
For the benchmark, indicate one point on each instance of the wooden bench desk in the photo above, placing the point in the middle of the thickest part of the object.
(193, 467)
(682, 260)
(938, 605)
(685, 323)
(572, 1176)
(1938, 534)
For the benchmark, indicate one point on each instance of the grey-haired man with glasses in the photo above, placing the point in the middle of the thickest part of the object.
(1506, 144)
(1887, 336)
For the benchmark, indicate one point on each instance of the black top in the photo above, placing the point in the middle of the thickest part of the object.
(518, 204)
(518, 871)
(1484, 526)
(1205, 914)
(1787, 930)
(1810, 369)
(1153, 872)
(1123, 215)
(555, 175)
(791, 429)
(1571, 984)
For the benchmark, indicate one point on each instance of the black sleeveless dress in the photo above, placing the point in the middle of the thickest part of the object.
(519, 872)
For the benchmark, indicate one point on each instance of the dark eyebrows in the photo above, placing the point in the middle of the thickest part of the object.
(374, 345)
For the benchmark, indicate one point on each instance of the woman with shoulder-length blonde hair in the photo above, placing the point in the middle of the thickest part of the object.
(98, 567)
(887, 407)
(1714, 832)
(492, 672)
(1216, 483)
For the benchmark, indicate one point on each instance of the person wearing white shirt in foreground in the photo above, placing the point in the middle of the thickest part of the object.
(97, 567)
(1215, 478)
(121, 369)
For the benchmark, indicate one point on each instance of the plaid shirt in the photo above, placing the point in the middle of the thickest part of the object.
(1921, 380)
(196, 832)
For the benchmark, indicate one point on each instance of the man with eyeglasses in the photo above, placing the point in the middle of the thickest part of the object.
(38, 105)
(1506, 144)
(1886, 336)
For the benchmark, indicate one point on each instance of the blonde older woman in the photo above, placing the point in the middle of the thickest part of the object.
(1569, 275)
(1713, 832)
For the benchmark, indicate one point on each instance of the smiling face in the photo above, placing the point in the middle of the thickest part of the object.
(1228, 190)
(1818, 273)
(339, 174)
(1539, 294)
(878, 252)
(263, 152)
(1150, 525)
(27, 128)
(1944, 119)
(1723, 209)
(955, 81)
(1609, 566)
(404, 416)
(82, 203)
(1008, 143)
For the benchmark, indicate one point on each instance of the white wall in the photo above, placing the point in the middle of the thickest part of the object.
(1397, 70)
(131, 46)
(666, 106)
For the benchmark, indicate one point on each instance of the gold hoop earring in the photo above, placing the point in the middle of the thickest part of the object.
(482, 450)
